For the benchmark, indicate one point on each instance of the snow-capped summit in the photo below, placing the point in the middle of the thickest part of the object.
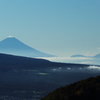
(10, 36)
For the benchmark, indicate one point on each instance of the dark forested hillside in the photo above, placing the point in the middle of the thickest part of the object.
(88, 89)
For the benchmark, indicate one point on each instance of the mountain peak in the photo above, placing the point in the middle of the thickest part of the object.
(12, 45)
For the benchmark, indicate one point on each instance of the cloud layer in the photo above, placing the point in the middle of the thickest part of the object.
(80, 60)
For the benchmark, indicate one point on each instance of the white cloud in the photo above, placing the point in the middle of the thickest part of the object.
(69, 68)
(80, 68)
(94, 67)
(90, 69)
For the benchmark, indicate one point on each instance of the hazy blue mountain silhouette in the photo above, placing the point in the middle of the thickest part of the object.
(78, 56)
(14, 46)
(97, 56)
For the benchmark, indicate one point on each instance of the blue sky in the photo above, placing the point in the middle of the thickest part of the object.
(58, 27)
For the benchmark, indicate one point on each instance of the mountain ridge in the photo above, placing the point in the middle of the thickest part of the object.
(12, 60)
(78, 55)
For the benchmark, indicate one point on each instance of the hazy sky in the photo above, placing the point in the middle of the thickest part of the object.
(59, 27)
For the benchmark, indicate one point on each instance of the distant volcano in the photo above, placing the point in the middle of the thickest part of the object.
(13, 46)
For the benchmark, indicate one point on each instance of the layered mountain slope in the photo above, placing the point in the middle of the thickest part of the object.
(13, 46)
(15, 62)
(31, 79)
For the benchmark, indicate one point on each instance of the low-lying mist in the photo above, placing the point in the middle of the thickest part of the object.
(79, 60)
(89, 69)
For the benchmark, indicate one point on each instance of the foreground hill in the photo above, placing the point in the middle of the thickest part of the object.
(12, 45)
(88, 89)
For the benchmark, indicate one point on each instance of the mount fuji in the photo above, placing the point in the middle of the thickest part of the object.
(13, 46)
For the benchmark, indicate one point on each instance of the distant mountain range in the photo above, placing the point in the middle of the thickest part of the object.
(78, 56)
(96, 56)
(13, 46)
